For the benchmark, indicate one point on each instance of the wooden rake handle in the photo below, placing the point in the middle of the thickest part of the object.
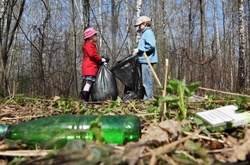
(152, 69)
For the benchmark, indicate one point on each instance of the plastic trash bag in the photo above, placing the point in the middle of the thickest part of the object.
(105, 87)
(128, 71)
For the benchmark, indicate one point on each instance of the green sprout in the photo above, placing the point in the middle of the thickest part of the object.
(183, 92)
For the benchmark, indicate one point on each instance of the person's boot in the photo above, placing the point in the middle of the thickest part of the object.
(85, 95)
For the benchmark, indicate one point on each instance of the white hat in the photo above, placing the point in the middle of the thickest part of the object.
(141, 20)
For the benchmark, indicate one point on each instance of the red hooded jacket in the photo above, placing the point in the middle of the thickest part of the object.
(90, 63)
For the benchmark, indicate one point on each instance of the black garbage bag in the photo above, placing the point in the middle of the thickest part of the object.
(128, 71)
(105, 86)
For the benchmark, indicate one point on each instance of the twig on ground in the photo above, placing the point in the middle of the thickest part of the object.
(168, 147)
(168, 159)
(221, 150)
(207, 138)
(147, 114)
(153, 159)
(7, 102)
(134, 108)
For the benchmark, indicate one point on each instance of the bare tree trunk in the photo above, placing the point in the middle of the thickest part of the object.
(225, 56)
(42, 32)
(182, 66)
(86, 14)
(8, 27)
(100, 22)
(232, 60)
(224, 29)
(75, 46)
(160, 23)
(245, 9)
(78, 9)
(241, 63)
(127, 24)
(114, 26)
(4, 85)
(218, 47)
(202, 22)
(138, 14)
(190, 37)
(248, 52)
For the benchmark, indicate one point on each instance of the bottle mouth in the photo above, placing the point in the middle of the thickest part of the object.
(3, 131)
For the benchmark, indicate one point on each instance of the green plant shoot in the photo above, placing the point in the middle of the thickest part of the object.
(183, 91)
(96, 130)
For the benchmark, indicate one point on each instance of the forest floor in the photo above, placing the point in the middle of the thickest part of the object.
(163, 141)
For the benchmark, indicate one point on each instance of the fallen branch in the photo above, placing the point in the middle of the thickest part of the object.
(25, 117)
(221, 150)
(11, 98)
(207, 138)
(25, 153)
(228, 93)
(5, 114)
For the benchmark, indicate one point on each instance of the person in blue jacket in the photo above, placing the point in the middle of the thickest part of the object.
(147, 44)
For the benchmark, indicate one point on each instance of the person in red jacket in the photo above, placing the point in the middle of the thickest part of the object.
(90, 62)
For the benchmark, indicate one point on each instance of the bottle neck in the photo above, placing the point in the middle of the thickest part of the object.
(3, 131)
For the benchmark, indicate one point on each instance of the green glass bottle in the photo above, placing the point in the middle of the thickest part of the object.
(56, 131)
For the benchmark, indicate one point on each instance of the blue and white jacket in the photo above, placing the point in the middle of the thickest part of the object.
(147, 43)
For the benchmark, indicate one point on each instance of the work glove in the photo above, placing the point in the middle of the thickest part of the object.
(135, 52)
(105, 59)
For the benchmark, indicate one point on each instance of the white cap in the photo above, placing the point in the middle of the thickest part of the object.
(141, 20)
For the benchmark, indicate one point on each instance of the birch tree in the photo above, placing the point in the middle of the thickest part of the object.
(100, 21)
(79, 11)
(138, 14)
(241, 62)
(203, 40)
(224, 54)
(217, 43)
(216, 29)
